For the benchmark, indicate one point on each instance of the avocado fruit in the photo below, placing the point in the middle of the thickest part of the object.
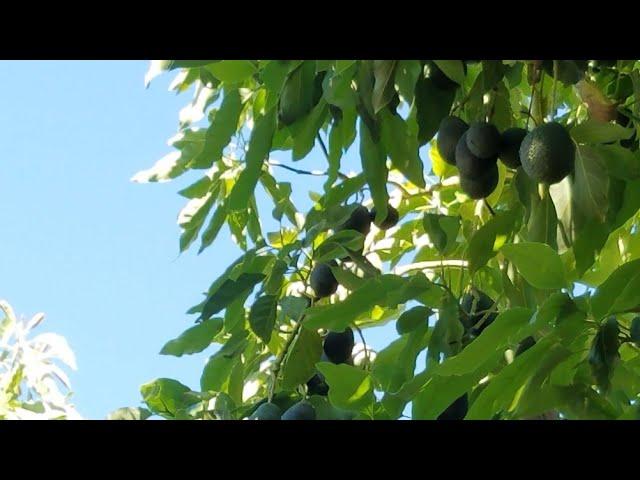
(390, 221)
(483, 140)
(266, 411)
(510, 148)
(359, 220)
(302, 410)
(457, 410)
(482, 186)
(323, 281)
(338, 346)
(476, 304)
(548, 153)
(317, 385)
(469, 164)
(449, 133)
(525, 345)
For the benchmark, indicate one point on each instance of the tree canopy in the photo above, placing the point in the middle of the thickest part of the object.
(509, 252)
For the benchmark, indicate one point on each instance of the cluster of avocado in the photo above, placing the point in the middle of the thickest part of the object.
(475, 305)
(322, 280)
(546, 153)
(337, 348)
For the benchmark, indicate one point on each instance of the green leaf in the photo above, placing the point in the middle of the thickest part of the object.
(197, 189)
(440, 168)
(294, 307)
(217, 373)
(296, 97)
(374, 166)
(442, 230)
(619, 292)
(350, 388)
(492, 72)
(189, 143)
(342, 65)
(275, 279)
(305, 131)
(402, 147)
(591, 184)
(396, 363)
(588, 243)
(194, 339)
(407, 73)
(454, 69)
(448, 331)
(232, 71)
(383, 88)
(259, 147)
(593, 131)
(165, 396)
(412, 319)
(620, 162)
(212, 230)
(482, 245)
(384, 290)
(537, 263)
(438, 393)
(229, 291)
(192, 217)
(338, 245)
(501, 390)
(219, 133)
(129, 413)
(174, 64)
(432, 105)
(262, 316)
(300, 363)
(543, 223)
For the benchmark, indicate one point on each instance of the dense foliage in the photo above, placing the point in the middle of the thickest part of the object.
(514, 261)
(33, 382)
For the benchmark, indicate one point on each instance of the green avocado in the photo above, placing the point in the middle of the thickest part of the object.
(547, 153)
(360, 221)
(469, 164)
(476, 304)
(510, 150)
(323, 281)
(392, 218)
(480, 187)
(302, 410)
(267, 411)
(338, 346)
(483, 140)
(449, 133)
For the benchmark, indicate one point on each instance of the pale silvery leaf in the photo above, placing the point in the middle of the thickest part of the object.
(59, 348)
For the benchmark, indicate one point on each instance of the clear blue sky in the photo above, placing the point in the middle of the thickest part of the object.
(95, 252)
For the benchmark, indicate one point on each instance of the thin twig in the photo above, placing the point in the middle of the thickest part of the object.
(489, 208)
(364, 344)
(296, 170)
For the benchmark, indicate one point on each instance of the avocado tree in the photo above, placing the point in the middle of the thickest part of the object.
(493, 218)
(33, 382)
